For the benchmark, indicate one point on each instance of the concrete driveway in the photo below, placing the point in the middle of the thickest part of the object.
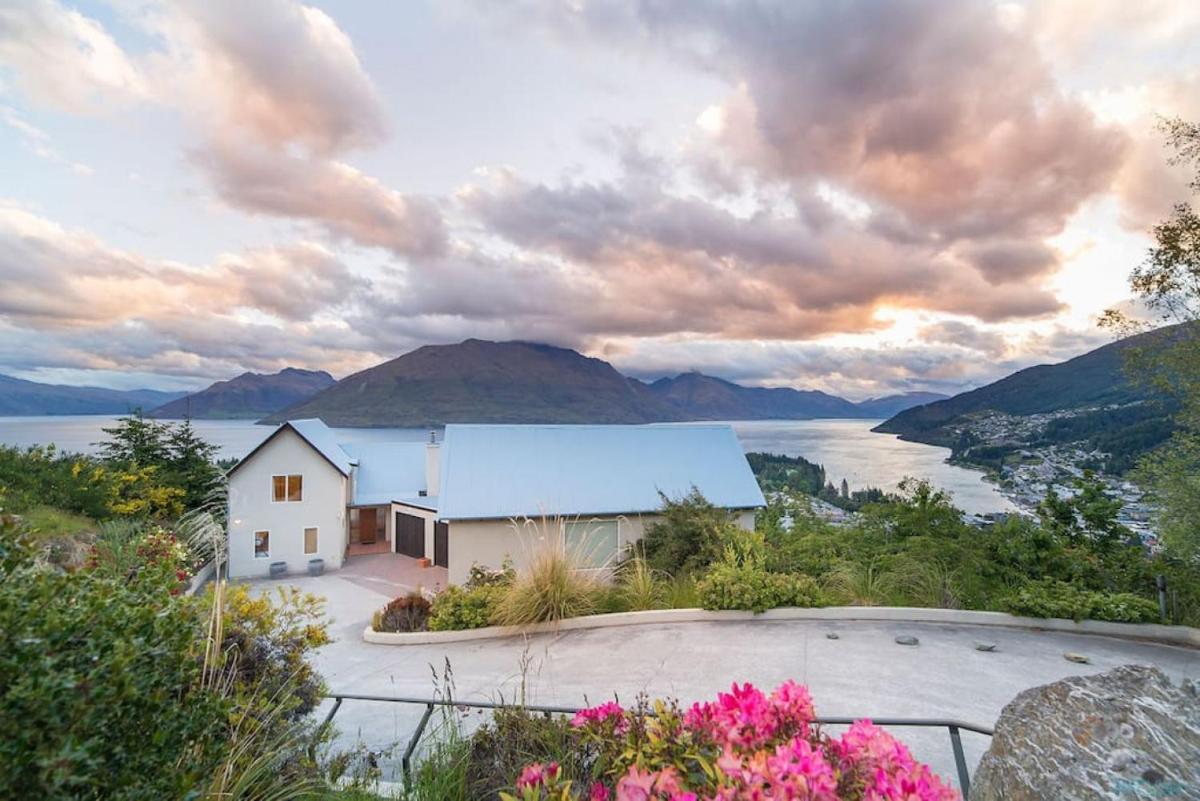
(862, 673)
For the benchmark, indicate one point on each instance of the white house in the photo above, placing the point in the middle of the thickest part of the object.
(302, 495)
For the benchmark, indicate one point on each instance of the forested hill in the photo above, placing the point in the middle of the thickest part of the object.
(1095, 379)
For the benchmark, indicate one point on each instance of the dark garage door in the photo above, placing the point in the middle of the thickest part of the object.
(441, 544)
(410, 535)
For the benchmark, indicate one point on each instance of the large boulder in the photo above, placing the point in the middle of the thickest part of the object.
(1125, 734)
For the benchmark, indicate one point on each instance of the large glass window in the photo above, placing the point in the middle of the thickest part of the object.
(287, 488)
(592, 543)
(310, 540)
(262, 544)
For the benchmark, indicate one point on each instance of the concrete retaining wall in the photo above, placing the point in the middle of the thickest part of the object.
(1174, 635)
(202, 577)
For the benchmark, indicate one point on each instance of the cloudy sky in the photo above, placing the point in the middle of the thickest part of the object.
(860, 197)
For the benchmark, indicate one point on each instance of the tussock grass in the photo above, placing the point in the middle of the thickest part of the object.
(553, 586)
(859, 584)
(640, 586)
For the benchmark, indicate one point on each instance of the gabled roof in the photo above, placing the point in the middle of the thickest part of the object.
(502, 471)
(388, 471)
(317, 435)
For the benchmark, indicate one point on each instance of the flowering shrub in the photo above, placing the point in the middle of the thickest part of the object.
(744, 745)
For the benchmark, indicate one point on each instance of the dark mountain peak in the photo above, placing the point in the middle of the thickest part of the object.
(482, 381)
(704, 397)
(248, 395)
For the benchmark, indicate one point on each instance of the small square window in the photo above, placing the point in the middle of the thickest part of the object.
(310, 540)
(287, 488)
(262, 544)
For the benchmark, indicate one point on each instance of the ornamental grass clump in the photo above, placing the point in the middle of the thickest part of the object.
(745, 745)
(552, 587)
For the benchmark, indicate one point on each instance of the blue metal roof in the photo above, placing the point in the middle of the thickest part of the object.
(319, 435)
(501, 471)
(388, 471)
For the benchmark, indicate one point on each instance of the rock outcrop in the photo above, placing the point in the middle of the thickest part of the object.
(1125, 734)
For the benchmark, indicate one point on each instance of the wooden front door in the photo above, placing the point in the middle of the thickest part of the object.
(410, 535)
(366, 525)
(441, 544)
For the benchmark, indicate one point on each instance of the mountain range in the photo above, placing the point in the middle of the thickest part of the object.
(249, 395)
(523, 382)
(19, 397)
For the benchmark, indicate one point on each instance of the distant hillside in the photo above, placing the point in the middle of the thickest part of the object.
(484, 382)
(701, 397)
(250, 395)
(19, 397)
(890, 405)
(1096, 378)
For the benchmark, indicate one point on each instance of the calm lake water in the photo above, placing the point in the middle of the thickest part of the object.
(846, 448)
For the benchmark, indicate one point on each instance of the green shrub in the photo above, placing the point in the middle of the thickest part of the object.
(730, 586)
(457, 608)
(100, 692)
(406, 613)
(1051, 598)
(689, 536)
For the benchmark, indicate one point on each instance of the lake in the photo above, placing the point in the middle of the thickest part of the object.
(846, 448)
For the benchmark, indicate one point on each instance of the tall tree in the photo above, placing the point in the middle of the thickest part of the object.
(1168, 283)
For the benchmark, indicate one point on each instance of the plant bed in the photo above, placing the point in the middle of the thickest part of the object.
(1175, 635)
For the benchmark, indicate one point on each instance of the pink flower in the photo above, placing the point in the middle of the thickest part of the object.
(663, 785)
(598, 715)
(537, 775)
(891, 772)
(598, 792)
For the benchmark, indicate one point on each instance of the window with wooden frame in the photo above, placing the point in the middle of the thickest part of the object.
(310, 541)
(287, 488)
(262, 544)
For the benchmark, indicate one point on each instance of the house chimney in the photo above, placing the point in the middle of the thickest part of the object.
(433, 465)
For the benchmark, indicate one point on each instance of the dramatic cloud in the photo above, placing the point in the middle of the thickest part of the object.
(276, 70)
(268, 117)
(65, 59)
(99, 307)
(343, 201)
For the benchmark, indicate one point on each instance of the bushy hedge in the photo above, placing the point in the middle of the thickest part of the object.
(456, 608)
(100, 691)
(1051, 598)
(728, 586)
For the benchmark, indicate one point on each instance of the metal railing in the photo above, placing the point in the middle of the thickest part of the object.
(954, 727)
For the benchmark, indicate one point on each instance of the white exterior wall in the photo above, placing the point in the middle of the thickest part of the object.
(489, 542)
(251, 509)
